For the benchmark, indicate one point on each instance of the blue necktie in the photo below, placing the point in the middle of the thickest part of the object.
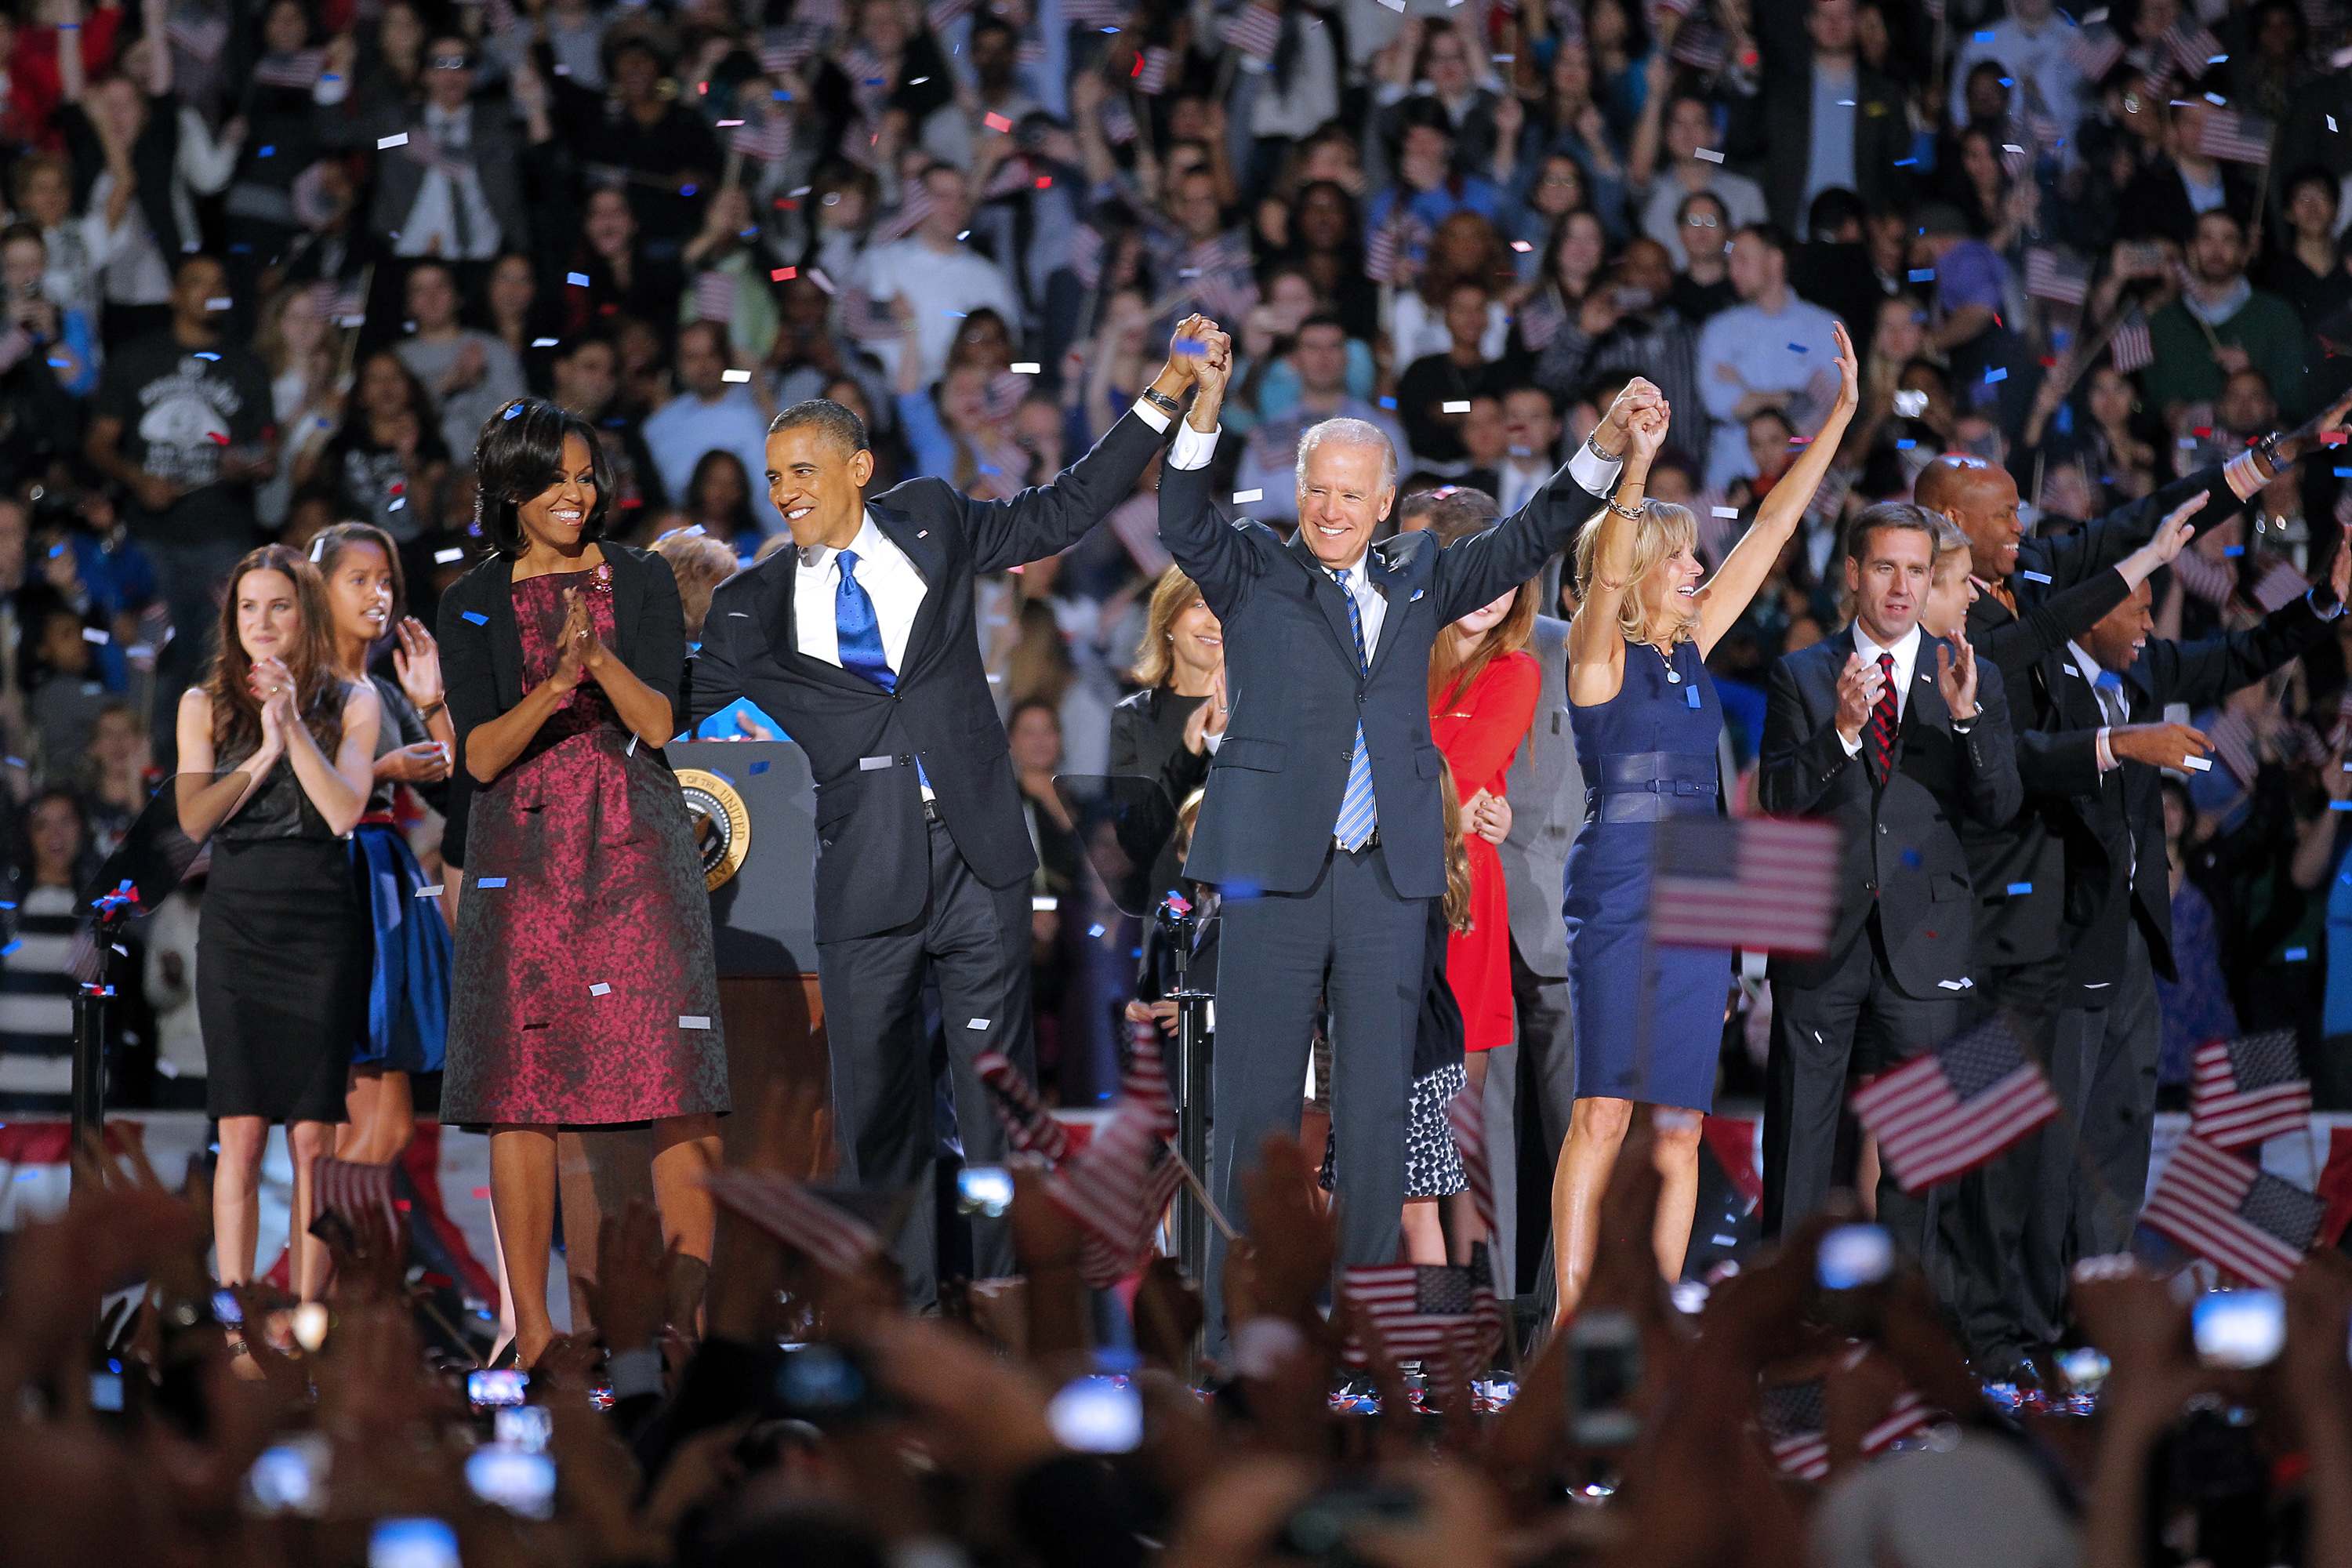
(1359, 813)
(859, 629)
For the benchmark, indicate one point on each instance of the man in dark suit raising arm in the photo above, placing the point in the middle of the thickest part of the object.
(1321, 818)
(860, 638)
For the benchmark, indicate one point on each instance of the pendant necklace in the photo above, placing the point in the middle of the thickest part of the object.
(1673, 675)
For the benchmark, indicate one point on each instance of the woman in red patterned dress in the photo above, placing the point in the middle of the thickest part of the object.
(584, 992)
(1482, 697)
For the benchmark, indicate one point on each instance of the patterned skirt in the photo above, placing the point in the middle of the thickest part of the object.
(1432, 1165)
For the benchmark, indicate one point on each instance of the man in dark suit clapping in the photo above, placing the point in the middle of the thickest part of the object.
(1321, 821)
(1896, 736)
(859, 637)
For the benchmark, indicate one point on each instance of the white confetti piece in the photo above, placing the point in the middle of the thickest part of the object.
(385, 143)
(91, 634)
(693, 1021)
(1243, 497)
(443, 557)
(1028, 367)
(219, 303)
(432, 892)
(632, 750)
(601, 989)
(2198, 764)
(1708, 155)
(1727, 512)
(1461, 406)
(737, 376)
(977, 1023)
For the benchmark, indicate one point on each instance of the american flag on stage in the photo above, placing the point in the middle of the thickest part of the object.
(2095, 53)
(796, 1215)
(1793, 1419)
(1152, 68)
(915, 206)
(1255, 29)
(768, 140)
(1950, 1110)
(1418, 1308)
(2244, 1092)
(354, 1189)
(2055, 278)
(1756, 881)
(1027, 1127)
(714, 296)
(2225, 1210)
(299, 71)
(1119, 1184)
(2131, 349)
(2239, 138)
(1465, 1116)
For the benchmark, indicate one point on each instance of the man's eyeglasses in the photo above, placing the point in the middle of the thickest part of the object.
(1698, 220)
(451, 63)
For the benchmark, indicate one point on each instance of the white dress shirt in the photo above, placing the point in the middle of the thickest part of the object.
(431, 227)
(1905, 650)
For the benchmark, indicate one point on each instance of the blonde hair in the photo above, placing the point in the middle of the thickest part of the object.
(1155, 660)
(1457, 851)
(1665, 528)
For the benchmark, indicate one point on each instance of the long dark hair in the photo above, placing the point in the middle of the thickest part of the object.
(318, 691)
(327, 549)
(520, 453)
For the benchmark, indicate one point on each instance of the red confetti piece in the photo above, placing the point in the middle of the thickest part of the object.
(783, 274)
(218, 439)
(1045, 182)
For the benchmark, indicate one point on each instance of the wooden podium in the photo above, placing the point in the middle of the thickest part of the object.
(753, 809)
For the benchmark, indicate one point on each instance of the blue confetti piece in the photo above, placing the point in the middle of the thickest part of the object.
(7, 905)
(759, 767)
(208, 353)
(2009, 81)
(1094, 930)
(1923, 275)
(1189, 345)
(2035, 577)
(985, 469)
(2233, 549)
(577, 279)
(686, 190)
(1905, 445)
(1799, 349)
(2018, 890)
(489, 881)
(479, 618)
(270, 152)
(958, 315)
(1242, 887)
(875, 81)
(12, 947)
(55, 550)
(780, 95)
(1388, 402)
(1906, 162)
(1996, 373)
(2344, 473)
(61, 364)
(2295, 954)
(240, 250)
(1911, 858)
(1692, 692)
(2339, 805)
(1984, 37)
(514, 412)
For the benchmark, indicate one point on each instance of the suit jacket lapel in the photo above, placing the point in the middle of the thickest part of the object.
(1394, 588)
(929, 552)
(1325, 594)
(1925, 704)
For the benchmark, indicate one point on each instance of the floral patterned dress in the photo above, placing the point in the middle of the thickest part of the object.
(585, 992)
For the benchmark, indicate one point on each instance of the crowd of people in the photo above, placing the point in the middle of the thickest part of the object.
(1920, 417)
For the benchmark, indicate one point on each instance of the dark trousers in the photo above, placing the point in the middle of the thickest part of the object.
(2007, 1296)
(2103, 1068)
(1546, 1049)
(1353, 941)
(972, 941)
(1816, 1031)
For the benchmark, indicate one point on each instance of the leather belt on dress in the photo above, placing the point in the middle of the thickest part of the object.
(1647, 786)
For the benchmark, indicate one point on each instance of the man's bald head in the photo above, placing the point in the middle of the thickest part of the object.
(1980, 499)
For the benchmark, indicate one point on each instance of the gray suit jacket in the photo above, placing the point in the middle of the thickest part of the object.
(1546, 789)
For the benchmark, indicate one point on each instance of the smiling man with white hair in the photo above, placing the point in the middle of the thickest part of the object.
(1322, 823)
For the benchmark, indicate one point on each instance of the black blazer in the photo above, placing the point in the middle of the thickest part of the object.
(1298, 690)
(481, 653)
(872, 867)
(2064, 585)
(2112, 825)
(1902, 853)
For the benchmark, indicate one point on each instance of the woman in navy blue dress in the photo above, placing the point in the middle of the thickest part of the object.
(1649, 1021)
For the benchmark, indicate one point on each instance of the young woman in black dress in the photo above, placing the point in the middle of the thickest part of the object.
(277, 754)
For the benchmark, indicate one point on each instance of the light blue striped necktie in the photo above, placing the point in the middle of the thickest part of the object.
(1359, 813)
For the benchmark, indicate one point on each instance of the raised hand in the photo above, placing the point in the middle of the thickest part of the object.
(1646, 433)
(1638, 394)
(2158, 746)
(416, 660)
(1858, 688)
(1956, 678)
(1849, 393)
(2339, 573)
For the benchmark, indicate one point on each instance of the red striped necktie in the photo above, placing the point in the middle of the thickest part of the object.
(1881, 720)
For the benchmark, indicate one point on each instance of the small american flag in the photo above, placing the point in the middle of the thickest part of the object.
(1829, 495)
(868, 83)
(768, 140)
(1012, 175)
(1906, 1417)
(2248, 1090)
(1700, 46)
(1152, 68)
(200, 38)
(1094, 13)
(1656, 12)
(2055, 278)
(714, 296)
(1027, 1126)
(2239, 138)
(1541, 319)
(1118, 122)
(865, 318)
(783, 51)
(354, 1191)
(1390, 244)
(819, 13)
(2282, 585)
(1951, 1109)
(299, 71)
(1418, 1308)
(1119, 1184)
(2095, 53)
(1219, 272)
(1935, 10)
(1006, 388)
(944, 13)
(1759, 882)
(1255, 30)
(342, 305)
(2131, 349)
(796, 1215)
(1793, 1417)
(1087, 254)
(2192, 49)
(2226, 1210)
(915, 206)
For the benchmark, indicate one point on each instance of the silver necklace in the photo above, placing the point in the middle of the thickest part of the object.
(1673, 675)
